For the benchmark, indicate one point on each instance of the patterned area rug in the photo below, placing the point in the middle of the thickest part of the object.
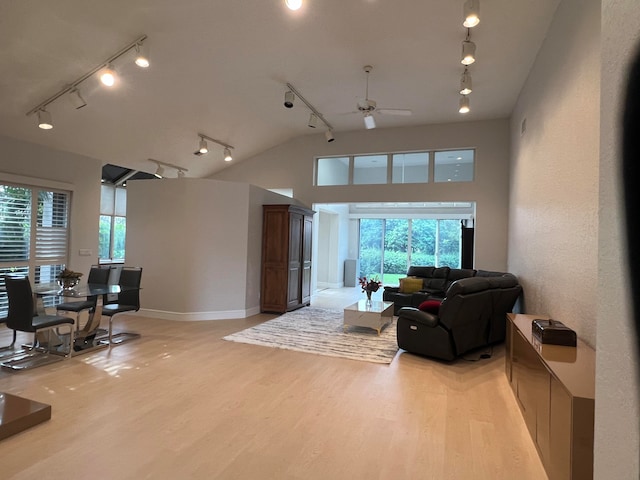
(320, 331)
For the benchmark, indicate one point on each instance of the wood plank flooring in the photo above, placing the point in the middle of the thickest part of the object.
(182, 403)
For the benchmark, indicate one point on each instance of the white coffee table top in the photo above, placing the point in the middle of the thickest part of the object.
(375, 315)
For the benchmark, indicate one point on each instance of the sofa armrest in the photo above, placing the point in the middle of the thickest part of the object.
(424, 318)
(391, 289)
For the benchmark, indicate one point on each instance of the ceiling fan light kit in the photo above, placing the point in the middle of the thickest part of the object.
(368, 107)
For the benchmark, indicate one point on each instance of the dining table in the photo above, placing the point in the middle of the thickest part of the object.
(85, 337)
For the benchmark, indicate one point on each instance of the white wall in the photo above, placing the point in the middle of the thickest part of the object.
(199, 242)
(553, 223)
(28, 163)
(565, 240)
(290, 165)
(617, 443)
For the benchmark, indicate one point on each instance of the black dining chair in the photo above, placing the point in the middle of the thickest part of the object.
(128, 300)
(22, 315)
(99, 274)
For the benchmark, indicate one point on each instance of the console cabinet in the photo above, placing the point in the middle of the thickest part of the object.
(555, 389)
(286, 258)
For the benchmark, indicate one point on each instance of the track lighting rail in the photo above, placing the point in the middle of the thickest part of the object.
(206, 137)
(165, 164)
(91, 72)
(309, 106)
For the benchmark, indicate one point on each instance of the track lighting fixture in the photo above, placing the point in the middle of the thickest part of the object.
(293, 4)
(108, 76)
(160, 170)
(315, 114)
(76, 99)
(464, 104)
(142, 58)
(471, 13)
(289, 97)
(202, 146)
(465, 83)
(468, 52)
(44, 120)
(106, 73)
(369, 121)
(329, 136)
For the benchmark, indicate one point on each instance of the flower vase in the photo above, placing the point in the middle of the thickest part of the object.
(368, 292)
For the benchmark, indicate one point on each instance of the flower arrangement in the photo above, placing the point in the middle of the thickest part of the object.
(370, 285)
(68, 279)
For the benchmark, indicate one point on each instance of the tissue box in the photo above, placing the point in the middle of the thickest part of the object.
(553, 332)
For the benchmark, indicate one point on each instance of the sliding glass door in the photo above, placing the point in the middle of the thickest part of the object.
(389, 246)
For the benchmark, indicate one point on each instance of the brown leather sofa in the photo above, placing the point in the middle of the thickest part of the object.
(472, 314)
(435, 282)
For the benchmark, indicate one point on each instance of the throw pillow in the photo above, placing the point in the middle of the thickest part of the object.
(430, 306)
(410, 285)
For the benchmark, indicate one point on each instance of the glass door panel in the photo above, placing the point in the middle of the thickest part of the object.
(371, 241)
(449, 243)
(396, 248)
(423, 241)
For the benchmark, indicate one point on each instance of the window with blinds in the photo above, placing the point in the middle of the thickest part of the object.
(34, 234)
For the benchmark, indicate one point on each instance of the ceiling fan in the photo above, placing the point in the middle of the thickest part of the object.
(368, 107)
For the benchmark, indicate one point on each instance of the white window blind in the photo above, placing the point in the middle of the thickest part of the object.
(33, 240)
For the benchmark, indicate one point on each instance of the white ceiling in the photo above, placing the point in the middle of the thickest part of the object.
(220, 68)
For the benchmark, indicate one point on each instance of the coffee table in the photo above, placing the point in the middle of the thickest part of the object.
(375, 315)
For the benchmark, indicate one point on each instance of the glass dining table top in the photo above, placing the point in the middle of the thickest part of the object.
(79, 291)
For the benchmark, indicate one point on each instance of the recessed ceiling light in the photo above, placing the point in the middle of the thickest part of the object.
(293, 4)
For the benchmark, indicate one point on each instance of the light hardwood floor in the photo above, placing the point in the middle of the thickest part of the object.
(182, 403)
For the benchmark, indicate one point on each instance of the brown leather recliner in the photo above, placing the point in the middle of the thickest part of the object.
(471, 315)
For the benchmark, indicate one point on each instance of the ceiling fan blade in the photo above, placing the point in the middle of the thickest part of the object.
(394, 111)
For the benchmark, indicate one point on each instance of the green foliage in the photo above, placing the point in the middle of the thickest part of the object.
(396, 245)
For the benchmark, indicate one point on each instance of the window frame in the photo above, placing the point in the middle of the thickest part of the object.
(430, 174)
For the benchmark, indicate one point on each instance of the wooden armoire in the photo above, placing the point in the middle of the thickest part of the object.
(286, 258)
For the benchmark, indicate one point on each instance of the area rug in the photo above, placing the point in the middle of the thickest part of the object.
(320, 331)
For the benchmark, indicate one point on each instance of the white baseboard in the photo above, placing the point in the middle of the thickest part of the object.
(198, 316)
(323, 285)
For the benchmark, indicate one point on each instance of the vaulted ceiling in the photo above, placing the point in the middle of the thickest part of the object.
(220, 68)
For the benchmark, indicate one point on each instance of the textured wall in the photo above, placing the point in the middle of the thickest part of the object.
(553, 224)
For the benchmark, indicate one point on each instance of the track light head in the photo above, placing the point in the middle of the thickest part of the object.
(227, 155)
(44, 120)
(465, 83)
(180, 174)
(369, 121)
(471, 13)
(203, 147)
(108, 76)
(142, 58)
(468, 52)
(288, 99)
(76, 99)
(329, 136)
(313, 120)
(464, 104)
(159, 171)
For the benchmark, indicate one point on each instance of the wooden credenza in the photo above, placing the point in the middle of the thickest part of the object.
(286, 258)
(555, 389)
